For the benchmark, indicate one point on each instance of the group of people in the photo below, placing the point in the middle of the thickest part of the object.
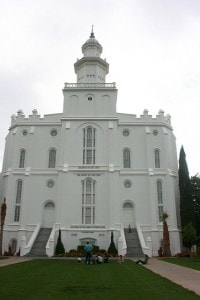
(93, 258)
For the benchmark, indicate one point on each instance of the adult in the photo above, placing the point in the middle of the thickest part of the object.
(144, 262)
(88, 253)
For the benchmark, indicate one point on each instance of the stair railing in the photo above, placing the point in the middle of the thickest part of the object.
(50, 246)
(146, 248)
(25, 249)
(122, 246)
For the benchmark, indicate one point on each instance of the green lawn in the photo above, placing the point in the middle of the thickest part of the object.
(66, 279)
(189, 262)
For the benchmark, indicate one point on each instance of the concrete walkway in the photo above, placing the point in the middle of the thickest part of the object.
(187, 278)
(13, 260)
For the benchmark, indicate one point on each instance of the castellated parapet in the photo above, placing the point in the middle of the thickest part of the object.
(145, 118)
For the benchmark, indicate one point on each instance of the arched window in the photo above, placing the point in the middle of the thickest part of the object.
(52, 158)
(88, 201)
(160, 200)
(89, 145)
(126, 158)
(18, 200)
(128, 205)
(13, 244)
(157, 158)
(22, 158)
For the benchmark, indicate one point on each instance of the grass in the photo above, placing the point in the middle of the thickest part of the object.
(189, 262)
(47, 279)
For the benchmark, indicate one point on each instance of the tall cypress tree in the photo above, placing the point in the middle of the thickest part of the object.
(59, 246)
(195, 182)
(186, 205)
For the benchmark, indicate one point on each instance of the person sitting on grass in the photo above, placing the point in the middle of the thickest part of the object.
(99, 259)
(144, 262)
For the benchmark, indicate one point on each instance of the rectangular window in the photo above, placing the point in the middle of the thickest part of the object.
(160, 200)
(17, 213)
(89, 144)
(52, 158)
(157, 158)
(22, 159)
(89, 157)
(88, 215)
(160, 213)
(88, 201)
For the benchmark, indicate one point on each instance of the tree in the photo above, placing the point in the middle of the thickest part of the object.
(166, 240)
(112, 248)
(3, 215)
(195, 183)
(185, 188)
(189, 236)
(59, 246)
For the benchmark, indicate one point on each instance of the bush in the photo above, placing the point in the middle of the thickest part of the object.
(81, 250)
(112, 250)
(183, 254)
(9, 252)
(198, 252)
(102, 251)
(189, 235)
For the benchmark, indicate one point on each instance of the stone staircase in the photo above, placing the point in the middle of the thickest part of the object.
(133, 243)
(39, 246)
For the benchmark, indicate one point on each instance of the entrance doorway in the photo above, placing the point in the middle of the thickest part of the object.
(128, 215)
(49, 215)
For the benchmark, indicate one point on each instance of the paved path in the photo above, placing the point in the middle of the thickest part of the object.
(13, 260)
(187, 278)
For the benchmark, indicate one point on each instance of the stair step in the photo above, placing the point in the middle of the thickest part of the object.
(39, 246)
(133, 244)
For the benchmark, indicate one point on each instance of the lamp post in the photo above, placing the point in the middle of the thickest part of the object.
(3, 215)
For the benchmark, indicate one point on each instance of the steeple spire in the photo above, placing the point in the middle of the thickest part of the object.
(92, 33)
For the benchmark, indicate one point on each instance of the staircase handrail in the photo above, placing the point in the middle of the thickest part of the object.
(32, 239)
(50, 246)
(145, 249)
(122, 239)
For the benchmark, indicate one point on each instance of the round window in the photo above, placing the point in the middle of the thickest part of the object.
(50, 183)
(90, 98)
(127, 184)
(24, 132)
(155, 132)
(53, 132)
(125, 132)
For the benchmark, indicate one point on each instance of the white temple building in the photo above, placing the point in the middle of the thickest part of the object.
(90, 170)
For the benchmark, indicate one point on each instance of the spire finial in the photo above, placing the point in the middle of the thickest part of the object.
(92, 33)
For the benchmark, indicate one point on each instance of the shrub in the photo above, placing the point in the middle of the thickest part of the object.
(198, 252)
(102, 251)
(9, 252)
(189, 235)
(81, 250)
(60, 250)
(112, 248)
(72, 253)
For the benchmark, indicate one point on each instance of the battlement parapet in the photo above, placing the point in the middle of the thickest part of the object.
(34, 118)
(145, 118)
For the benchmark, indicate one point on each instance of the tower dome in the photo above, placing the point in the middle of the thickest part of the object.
(91, 68)
(92, 47)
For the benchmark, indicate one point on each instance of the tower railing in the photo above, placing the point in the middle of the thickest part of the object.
(90, 85)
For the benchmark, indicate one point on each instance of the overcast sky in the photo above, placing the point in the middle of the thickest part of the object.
(152, 46)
